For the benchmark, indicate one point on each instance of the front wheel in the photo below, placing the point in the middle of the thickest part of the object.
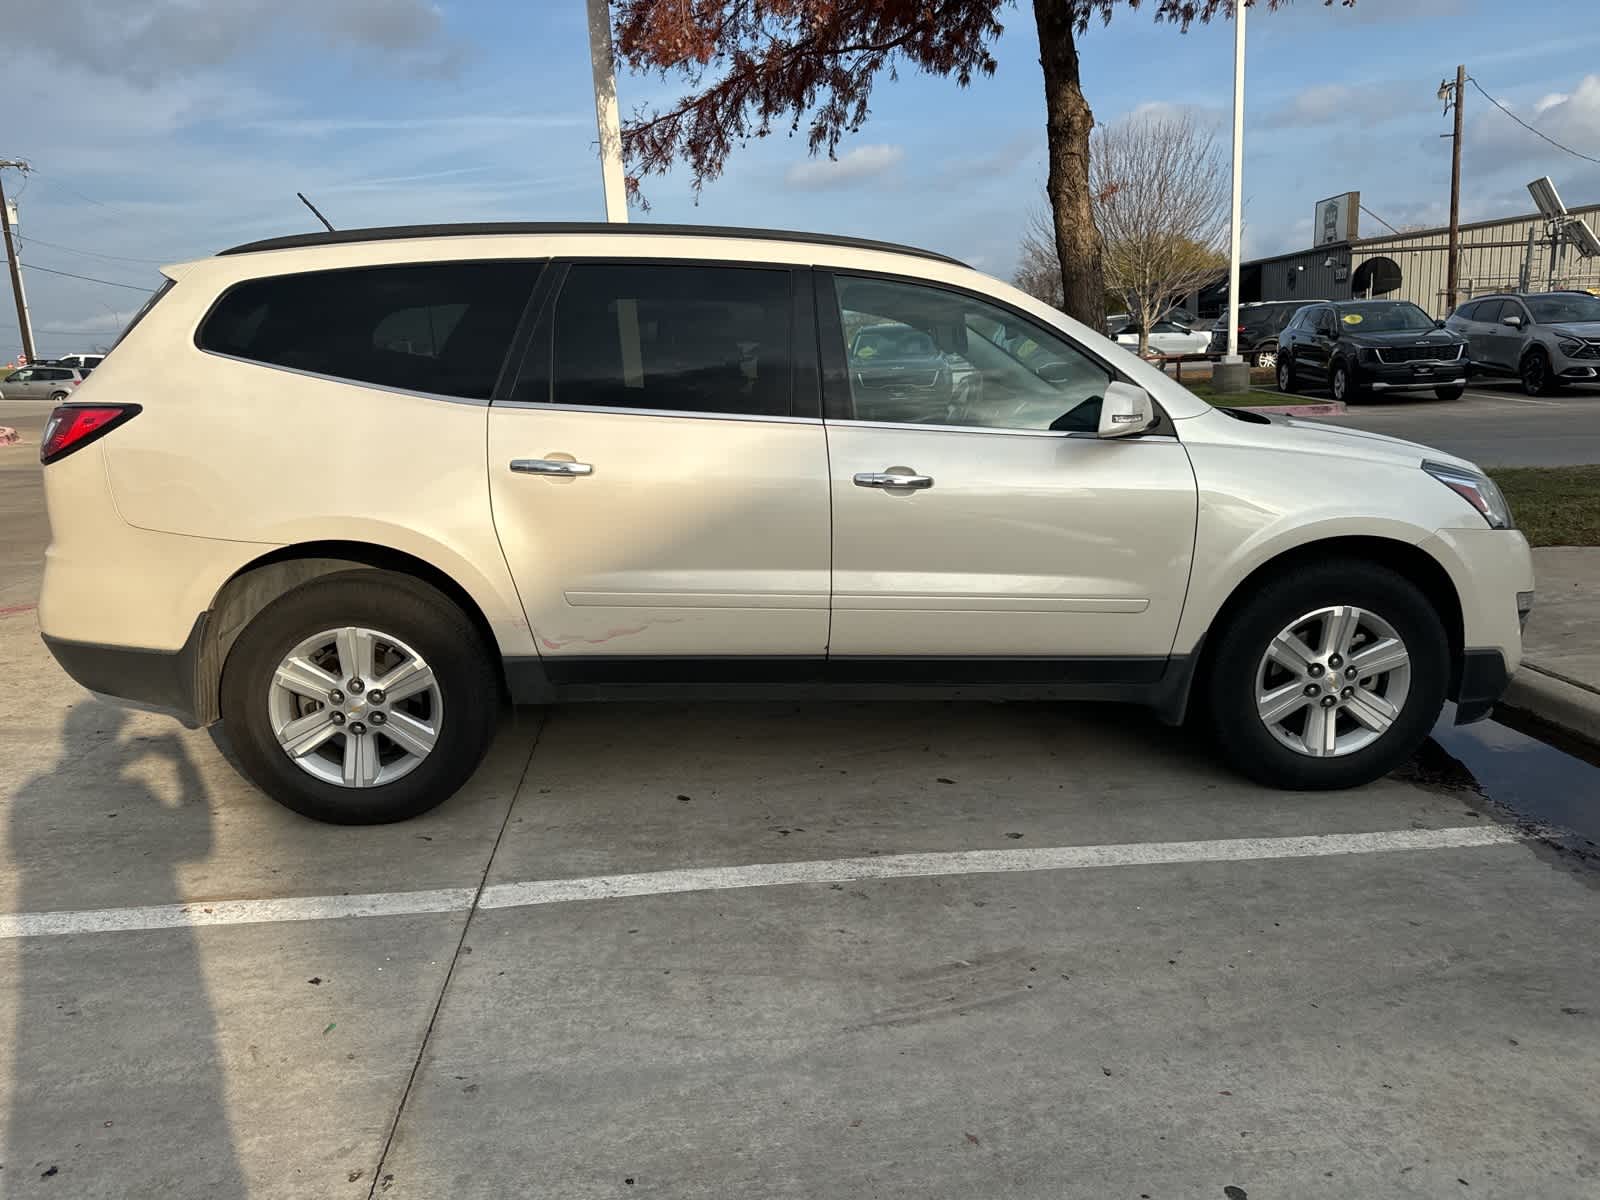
(1267, 356)
(360, 698)
(1329, 676)
(1453, 392)
(1537, 377)
(1342, 386)
(1285, 374)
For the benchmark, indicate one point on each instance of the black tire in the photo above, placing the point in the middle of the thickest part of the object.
(1537, 377)
(1286, 381)
(1229, 688)
(1454, 392)
(406, 609)
(59, 397)
(1342, 385)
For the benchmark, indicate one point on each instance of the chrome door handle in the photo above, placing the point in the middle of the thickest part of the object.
(884, 479)
(549, 466)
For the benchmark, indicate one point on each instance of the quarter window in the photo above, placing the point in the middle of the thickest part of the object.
(442, 328)
(686, 339)
(925, 356)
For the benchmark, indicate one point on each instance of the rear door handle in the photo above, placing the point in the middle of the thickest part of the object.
(886, 479)
(549, 466)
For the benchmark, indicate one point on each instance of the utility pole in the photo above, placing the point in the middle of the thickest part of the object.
(1451, 94)
(1231, 374)
(24, 322)
(607, 119)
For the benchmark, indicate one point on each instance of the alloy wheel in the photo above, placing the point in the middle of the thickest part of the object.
(1283, 375)
(1332, 681)
(355, 707)
(1341, 383)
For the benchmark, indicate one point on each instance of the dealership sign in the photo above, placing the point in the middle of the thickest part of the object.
(1337, 219)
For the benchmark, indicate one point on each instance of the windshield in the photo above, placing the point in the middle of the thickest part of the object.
(901, 342)
(1552, 310)
(1383, 317)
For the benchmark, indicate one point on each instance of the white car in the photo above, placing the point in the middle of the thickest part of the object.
(346, 491)
(1166, 337)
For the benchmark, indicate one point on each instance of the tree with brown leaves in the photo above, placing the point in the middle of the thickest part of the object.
(753, 65)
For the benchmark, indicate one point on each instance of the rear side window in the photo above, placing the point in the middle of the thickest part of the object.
(674, 338)
(442, 328)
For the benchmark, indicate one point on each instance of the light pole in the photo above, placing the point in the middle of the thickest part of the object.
(1231, 375)
(606, 117)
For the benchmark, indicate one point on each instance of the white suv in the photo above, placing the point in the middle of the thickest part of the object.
(347, 492)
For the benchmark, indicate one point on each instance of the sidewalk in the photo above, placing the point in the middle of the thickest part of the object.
(1559, 681)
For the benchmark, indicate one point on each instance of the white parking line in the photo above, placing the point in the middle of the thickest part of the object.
(706, 879)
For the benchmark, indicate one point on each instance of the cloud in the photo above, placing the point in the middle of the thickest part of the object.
(151, 41)
(850, 168)
(1494, 142)
(1343, 104)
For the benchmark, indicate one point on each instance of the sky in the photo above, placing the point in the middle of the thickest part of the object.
(169, 129)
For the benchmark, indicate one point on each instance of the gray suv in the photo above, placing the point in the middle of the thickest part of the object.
(42, 382)
(1546, 339)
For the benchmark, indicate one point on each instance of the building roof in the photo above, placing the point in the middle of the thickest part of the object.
(505, 228)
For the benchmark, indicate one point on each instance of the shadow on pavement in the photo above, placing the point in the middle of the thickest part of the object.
(118, 1087)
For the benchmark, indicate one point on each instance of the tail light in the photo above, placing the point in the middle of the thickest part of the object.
(73, 426)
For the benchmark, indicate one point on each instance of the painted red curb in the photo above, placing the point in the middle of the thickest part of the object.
(1332, 409)
(14, 609)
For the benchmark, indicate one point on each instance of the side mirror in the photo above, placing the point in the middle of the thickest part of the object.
(1438, 323)
(1513, 321)
(1126, 409)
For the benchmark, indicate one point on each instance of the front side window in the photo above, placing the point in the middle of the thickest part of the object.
(1490, 311)
(442, 328)
(22, 376)
(1325, 320)
(1556, 310)
(686, 339)
(921, 355)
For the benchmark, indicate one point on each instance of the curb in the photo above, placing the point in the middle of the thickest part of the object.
(1555, 701)
(1331, 408)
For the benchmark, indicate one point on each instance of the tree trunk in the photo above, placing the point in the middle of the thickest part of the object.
(1067, 125)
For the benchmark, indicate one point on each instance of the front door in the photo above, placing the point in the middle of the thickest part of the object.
(1316, 352)
(659, 474)
(1016, 534)
(22, 384)
(1505, 341)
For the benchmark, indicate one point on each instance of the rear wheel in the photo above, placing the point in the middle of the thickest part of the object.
(1266, 356)
(360, 698)
(58, 397)
(1452, 392)
(1285, 374)
(1330, 676)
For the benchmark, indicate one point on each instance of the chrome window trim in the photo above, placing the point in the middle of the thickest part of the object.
(1035, 433)
(687, 414)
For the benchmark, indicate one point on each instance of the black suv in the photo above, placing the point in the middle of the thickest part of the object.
(1259, 325)
(1355, 347)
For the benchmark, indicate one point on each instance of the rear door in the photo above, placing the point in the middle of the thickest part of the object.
(1020, 545)
(659, 474)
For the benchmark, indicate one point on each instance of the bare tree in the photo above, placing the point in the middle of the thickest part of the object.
(1038, 270)
(1159, 191)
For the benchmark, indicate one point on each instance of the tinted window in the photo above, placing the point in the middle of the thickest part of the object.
(19, 376)
(1552, 310)
(434, 327)
(681, 339)
(1324, 320)
(963, 362)
(55, 374)
(1489, 311)
(1465, 311)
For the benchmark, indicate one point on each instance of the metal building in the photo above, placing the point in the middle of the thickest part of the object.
(1412, 266)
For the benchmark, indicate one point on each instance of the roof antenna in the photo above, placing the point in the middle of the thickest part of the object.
(314, 211)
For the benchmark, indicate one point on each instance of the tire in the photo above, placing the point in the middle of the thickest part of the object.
(1537, 377)
(1286, 381)
(1241, 671)
(58, 397)
(409, 620)
(1342, 387)
(1265, 356)
(1454, 392)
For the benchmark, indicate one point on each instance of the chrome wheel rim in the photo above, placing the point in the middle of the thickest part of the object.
(1283, 375)
(1338, 384)
(355, 707)
(1333, 681)
(1267, 358)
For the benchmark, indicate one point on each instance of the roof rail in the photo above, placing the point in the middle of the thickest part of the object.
(503, 228)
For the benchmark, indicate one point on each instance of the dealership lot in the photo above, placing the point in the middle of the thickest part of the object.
(925, 949)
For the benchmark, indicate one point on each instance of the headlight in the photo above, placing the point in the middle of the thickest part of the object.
(1477, 490)
(1569, 346)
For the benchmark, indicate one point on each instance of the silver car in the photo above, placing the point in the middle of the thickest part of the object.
(1546, 339)
(41, 383)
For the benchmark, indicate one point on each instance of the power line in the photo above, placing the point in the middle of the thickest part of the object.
(132, 287)
(154, 262)
(1530, 128)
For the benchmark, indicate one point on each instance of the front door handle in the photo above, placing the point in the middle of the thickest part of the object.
(549, 466)
(887, 479)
